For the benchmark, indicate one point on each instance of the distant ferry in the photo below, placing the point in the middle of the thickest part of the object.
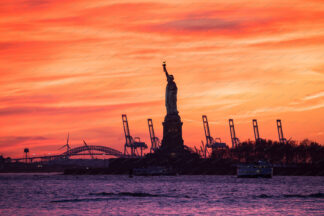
(261, 169)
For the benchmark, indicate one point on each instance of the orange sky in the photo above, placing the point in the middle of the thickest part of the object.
(77, 65)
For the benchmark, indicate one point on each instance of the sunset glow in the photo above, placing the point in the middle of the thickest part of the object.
(77, 65)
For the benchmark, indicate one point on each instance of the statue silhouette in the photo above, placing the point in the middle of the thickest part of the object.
(172, 141)
(170, 94)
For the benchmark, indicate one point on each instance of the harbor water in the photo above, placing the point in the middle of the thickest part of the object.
(57, 194)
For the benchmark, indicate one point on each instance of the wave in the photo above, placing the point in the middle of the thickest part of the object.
(136, 194)
(116, 195)
(313, 195)
(264, 196)
(80, 200)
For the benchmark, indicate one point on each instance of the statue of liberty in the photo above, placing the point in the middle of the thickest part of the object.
(170, 94)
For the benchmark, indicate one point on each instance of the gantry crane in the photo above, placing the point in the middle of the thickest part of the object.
(256, 130)
(235, 140)
(282, 140)
(132, 143)
(155, 141)
(210, 141)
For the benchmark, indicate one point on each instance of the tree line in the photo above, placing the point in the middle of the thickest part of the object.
(307, 152)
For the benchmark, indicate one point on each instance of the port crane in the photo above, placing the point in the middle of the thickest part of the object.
(256, 130)
(212, 143)
(282, 140)
(155, 141)
(235, 140)
(132, 143)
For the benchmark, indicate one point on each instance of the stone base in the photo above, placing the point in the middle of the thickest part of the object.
(172, 141)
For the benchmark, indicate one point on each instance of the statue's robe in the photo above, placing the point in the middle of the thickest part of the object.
(171, 97)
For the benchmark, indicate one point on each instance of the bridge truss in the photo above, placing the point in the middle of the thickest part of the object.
(77, 151)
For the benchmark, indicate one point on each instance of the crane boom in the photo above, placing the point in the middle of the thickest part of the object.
(128, 137)
(282, 140)
(131, 143)
(235, 140)
(155, 142)
(212, 143)
(207, 131)
(256, 130)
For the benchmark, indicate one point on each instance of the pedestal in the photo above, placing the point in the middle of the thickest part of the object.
(172, 134)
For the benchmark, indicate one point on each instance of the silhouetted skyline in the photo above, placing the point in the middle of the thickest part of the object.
(70, 68)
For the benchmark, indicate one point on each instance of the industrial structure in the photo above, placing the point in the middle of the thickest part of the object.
(212, 143)
(155, 141)
(282, 140)
(132, 143)
(26, 151)
(89, 149)
(256, 130)
(235, 140)
(134, 147)
(67, 145)
(77, 151)
(86, 149)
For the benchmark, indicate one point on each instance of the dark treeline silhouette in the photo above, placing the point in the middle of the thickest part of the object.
(306, 152)
(4, 160)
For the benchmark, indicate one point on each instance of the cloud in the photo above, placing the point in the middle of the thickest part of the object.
(279, 109)
(292, 41)
(16, 140)
(199, 122)
(204, 24)
(35, 3)
(74, 110)
(76, 66)
(6, 45)
(51, 110)
(314, 96)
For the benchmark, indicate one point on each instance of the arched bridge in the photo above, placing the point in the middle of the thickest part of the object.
(81, 150)
(89, 148)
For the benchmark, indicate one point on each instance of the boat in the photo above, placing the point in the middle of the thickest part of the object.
(261, 169)
(152, 171)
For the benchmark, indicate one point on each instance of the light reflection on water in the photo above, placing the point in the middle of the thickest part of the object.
(55, 194)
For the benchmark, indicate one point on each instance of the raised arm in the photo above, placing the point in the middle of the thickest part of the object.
(165, 70)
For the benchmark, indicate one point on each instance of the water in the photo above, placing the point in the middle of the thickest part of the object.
(56, 194)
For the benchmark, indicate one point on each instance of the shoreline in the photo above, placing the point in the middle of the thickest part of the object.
(290, 171)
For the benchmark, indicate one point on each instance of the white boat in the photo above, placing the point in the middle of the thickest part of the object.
(260, 169)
